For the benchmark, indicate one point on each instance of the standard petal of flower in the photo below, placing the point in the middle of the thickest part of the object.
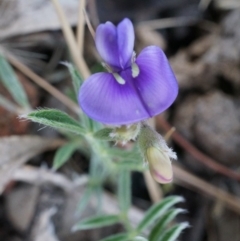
(103, 99)
(125, 33)
(107, 44)
(156, 83)
(159, 165)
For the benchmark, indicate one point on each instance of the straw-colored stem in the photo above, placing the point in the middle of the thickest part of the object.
(80, 26)
(69, 36)
(43, 83)
(154, 189)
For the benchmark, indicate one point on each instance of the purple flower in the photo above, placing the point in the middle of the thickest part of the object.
(136, 88)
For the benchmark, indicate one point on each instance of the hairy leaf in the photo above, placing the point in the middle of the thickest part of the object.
(158, 210)
(159, 227)
(56, 119)
(139, 238)
(63, 154)
(117, 237)
(77, 80)
(97, 222)
(12, 84)
(173, 233)
(124, 190)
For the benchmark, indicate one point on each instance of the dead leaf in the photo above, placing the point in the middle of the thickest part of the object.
(16, 150)
(25, 17)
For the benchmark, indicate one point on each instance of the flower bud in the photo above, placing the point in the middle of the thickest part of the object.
(159, 165)
(121, 134)
(125, 133)
(157, 154)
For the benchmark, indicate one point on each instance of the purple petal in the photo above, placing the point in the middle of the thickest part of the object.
(125, 33)
(156, 83)
(103, 99)
(115, 44)
(107, 44)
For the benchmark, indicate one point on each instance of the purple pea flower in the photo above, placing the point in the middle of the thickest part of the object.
(135, 89)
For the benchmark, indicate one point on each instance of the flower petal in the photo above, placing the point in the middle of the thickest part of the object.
(125, 36)
(156, 83)
(115, 44)
(103, 99)
(107, 43)
(160, 165)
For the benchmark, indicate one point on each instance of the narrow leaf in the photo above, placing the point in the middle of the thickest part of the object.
(104, 134)
(130, 165)
(173, 233)
(56, 119)
(63, 154)
(117, 237)
(124, 190)
(77, 80)
(97, 222)
(12, 84)
(159, 227)
(139, 238)
(8, 105)
(84, 200)
(158, 210)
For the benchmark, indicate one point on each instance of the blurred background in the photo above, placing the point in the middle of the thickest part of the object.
(202, 42)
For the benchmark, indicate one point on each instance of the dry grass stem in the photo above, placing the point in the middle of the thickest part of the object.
(203, 5)
(40, 176)
(169, 133)
(154, 190)
(169, 22)
(43, 83)
(90, 27)
(198, 155)
(11, 107)
(80, 26)
(187, 179)
(71, 42)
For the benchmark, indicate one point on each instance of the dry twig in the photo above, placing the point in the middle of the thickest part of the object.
(43, 83)
(80, 26)
(184, 178)
(198, 155)
(72, 44)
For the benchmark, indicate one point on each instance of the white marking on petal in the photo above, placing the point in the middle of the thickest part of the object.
(119, 79)
(135, 70)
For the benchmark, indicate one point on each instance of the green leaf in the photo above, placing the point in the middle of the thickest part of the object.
(56, 119)
(77, 80)
(158, 210)
(159, 227)
(124, 190)
(173, 233)
(117, 237)
(104, 134)
(63, 154)
(84, 199)
(131, 165)
(139, 238)
(97, 222)
(12, 84)
(8, 105)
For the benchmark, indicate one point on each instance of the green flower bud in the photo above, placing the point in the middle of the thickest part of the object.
(121, 134)
(125, 133)
(157, 154)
